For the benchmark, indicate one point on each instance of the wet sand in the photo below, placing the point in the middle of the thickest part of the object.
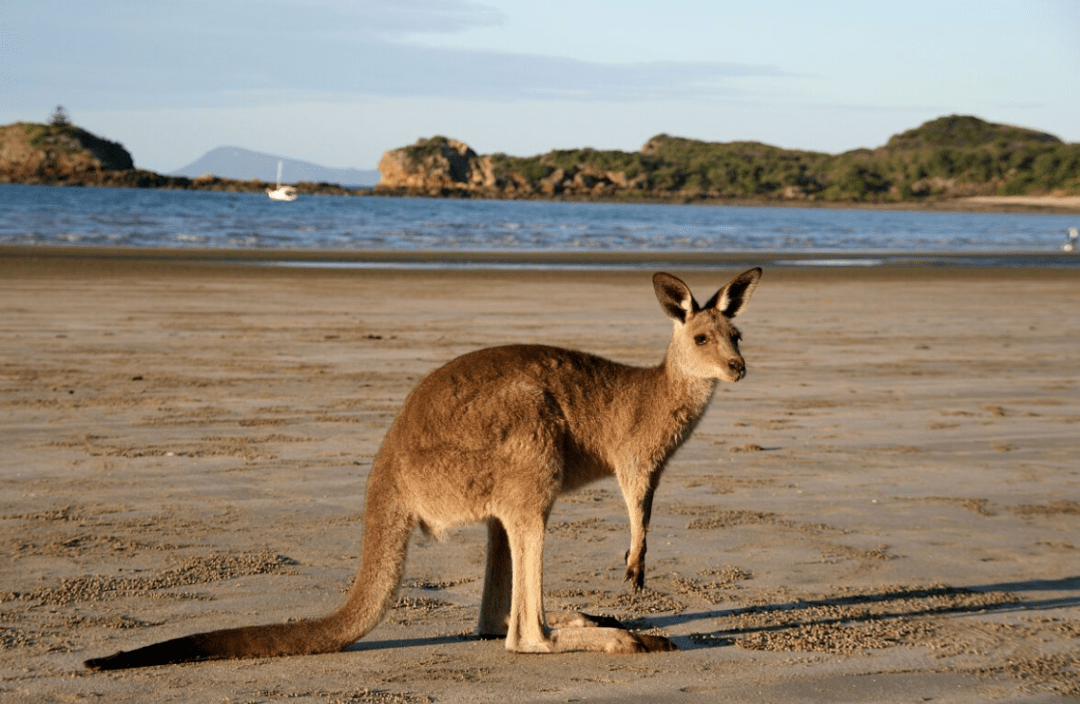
(886, 508)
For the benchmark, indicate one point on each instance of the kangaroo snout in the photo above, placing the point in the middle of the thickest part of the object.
(738, 369)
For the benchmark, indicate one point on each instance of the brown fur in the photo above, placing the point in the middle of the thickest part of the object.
(496, 435)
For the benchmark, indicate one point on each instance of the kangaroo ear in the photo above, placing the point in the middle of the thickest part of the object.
(732, 299)
(674, 296)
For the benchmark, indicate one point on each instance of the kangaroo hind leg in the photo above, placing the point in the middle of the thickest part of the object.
(528, 631)
(498, 584)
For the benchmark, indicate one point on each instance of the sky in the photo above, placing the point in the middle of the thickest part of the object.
(338, 82)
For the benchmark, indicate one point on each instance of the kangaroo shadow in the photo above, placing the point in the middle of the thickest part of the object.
(363, 645)
(908, 603)
(898, 604)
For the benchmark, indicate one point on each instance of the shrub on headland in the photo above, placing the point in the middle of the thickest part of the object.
(948, 157)
(945, 158)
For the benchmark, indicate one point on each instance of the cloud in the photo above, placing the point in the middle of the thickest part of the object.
(199, 53)
(395, 69)
(406, 17)
(403, 70)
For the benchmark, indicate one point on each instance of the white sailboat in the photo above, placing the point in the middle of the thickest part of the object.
(285, 193)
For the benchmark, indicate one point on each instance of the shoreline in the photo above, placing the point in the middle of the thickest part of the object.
(533, 260)
(1045, 204)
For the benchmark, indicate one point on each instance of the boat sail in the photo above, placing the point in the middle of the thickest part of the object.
(283, 193)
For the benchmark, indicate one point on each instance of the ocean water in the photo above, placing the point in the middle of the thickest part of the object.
(41, 215)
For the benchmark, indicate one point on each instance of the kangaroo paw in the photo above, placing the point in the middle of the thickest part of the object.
(635, 572)
(655, 644)
(576, 619)
(628, 642)
(610, 640)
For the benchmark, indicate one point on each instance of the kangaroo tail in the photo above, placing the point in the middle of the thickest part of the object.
(386, 538)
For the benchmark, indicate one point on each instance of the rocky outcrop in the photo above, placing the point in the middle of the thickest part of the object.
(33, 153)
(435, 166)
(447, 167)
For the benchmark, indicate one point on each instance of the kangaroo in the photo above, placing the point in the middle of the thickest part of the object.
(497, 435)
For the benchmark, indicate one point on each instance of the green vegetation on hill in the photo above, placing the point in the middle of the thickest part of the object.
(60, 146)
(948, 157)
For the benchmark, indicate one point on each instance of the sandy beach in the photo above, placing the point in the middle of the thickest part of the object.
(886, 509)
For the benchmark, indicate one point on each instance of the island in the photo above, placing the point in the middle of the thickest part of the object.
(949, 159)
(957, 161)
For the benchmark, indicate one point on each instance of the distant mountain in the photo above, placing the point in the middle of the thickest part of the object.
(241, 164)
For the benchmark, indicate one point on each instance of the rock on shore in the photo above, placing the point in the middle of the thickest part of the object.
(441, 166)
(33, 153)
(435, 165)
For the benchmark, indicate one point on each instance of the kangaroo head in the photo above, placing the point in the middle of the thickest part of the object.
(706, 344)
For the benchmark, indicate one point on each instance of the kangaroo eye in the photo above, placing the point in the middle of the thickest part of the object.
(700, 340)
